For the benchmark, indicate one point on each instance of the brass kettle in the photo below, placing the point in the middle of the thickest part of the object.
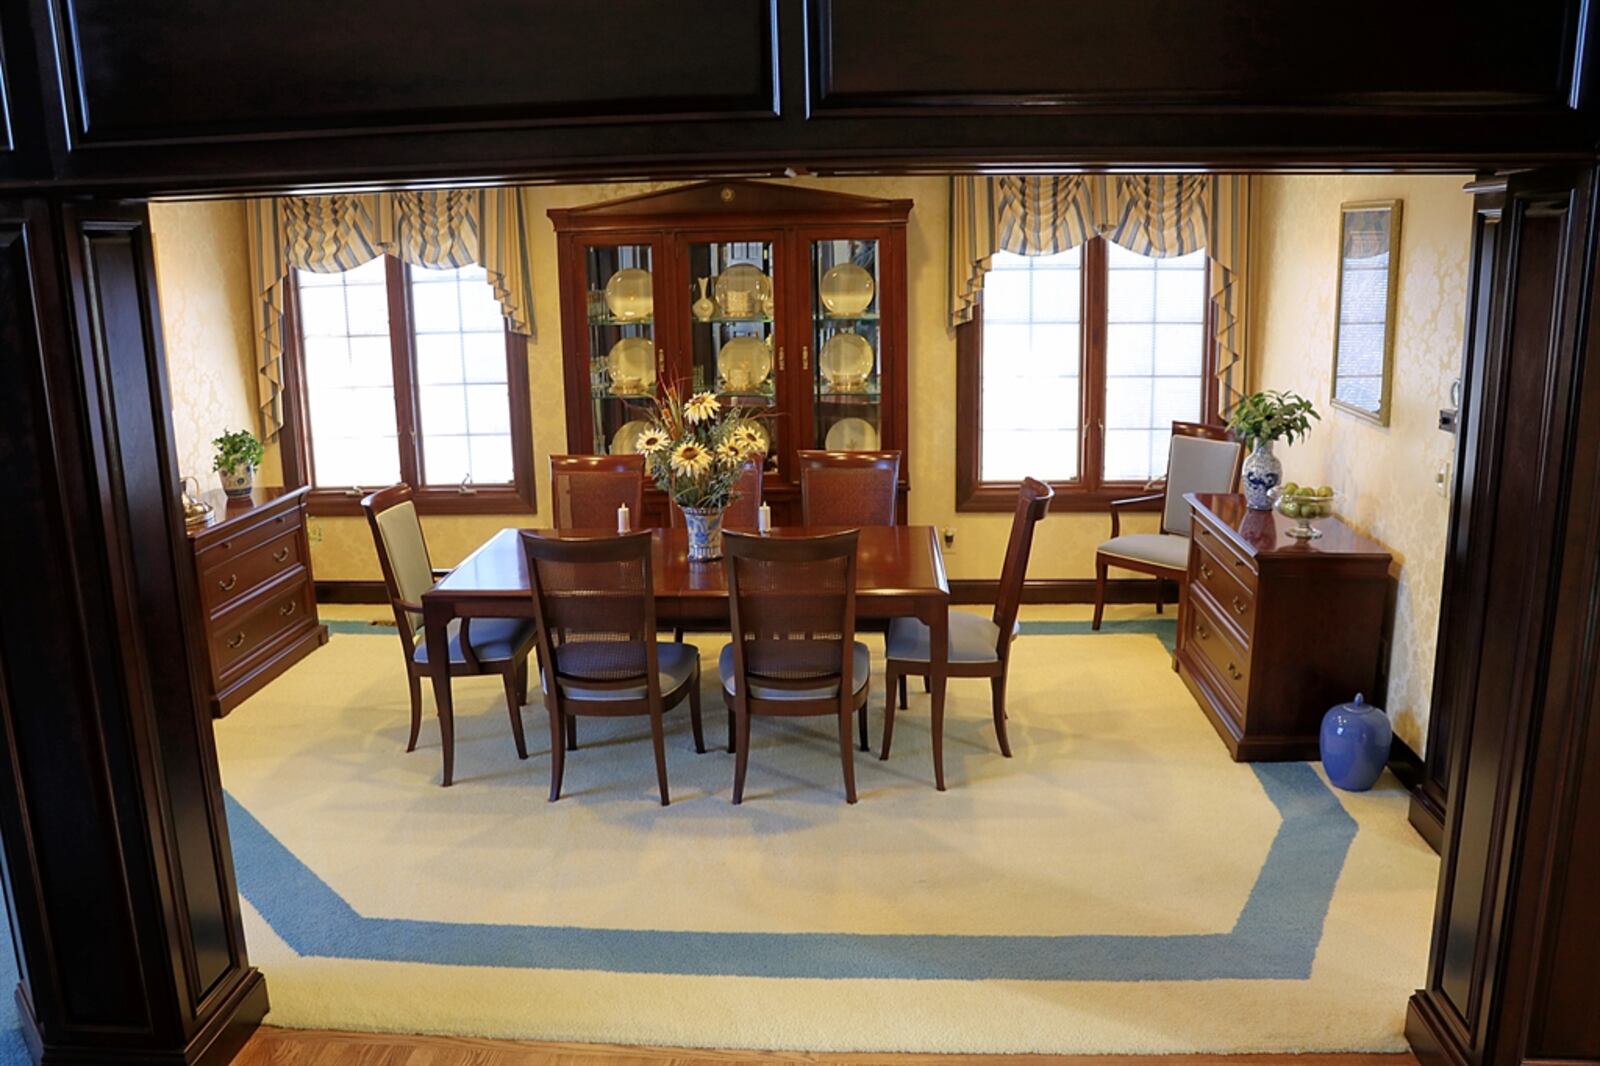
(196, 512)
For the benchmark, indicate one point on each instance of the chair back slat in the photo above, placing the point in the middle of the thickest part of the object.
(402, 553)
(595, 606)
(792, 603)
(585, 490)
(1033, 503)
(742, 512)
(1201, 458)
(849, 488)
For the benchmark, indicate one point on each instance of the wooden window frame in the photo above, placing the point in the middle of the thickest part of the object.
(518, 497)
(1088, 492)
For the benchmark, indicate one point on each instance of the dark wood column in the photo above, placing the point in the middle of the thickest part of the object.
(120, 882)
(1512, 977)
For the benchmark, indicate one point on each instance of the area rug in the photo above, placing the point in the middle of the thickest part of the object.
(1119, 886)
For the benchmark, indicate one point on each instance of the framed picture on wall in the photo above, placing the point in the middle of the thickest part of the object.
(1363, 341)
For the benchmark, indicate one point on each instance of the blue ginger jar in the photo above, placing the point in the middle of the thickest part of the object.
(1261, 473)
(1355, 744)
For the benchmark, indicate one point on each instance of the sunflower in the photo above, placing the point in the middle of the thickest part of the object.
(653, 440)
(729, 454)
(749, 440)
(700, 407)
(691, 459)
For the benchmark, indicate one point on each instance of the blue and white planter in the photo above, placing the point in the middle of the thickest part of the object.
(1261, 474)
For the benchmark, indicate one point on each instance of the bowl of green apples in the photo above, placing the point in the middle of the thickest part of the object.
(1303, 503)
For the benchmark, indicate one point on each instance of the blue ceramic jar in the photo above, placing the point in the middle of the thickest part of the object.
(1355, 744)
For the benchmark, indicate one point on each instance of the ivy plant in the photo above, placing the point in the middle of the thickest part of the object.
(1264, 417)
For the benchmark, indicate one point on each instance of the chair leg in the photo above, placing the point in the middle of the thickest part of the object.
(658, 741)
(1099, 593)
(522, 684)
(997, 686)
(572, 732)
(1161, 596)
(694, 713)
(861, 717)
(927, 682)
(901, 685)
(514, 707)
(733, 726)
(847, 754)
(893, 681)
(558, 753)
(416, 710)
(741, 758)
(677, 634)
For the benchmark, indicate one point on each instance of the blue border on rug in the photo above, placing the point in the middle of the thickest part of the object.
(1274, 938)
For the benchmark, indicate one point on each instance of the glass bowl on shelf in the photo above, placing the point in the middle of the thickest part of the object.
(628, 294)
(847, 290)
(743, 291)
(1303, 505)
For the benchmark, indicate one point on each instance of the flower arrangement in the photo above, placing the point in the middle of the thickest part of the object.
(1264, 417)
(695, 447)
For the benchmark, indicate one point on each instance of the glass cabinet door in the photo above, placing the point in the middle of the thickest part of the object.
(845, 360)
(624, 359)
(733, 301)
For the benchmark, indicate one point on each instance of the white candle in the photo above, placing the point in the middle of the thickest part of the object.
(622, 518)
(764, 519)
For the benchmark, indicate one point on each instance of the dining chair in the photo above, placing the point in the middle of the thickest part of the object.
(595, 607)
(979, 646)
(1201, 458)
(743, 511)
(848, 488)
(477, 645)
(585, 490)
(794, 652)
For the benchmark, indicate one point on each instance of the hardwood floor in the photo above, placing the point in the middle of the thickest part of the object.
(289, 1047)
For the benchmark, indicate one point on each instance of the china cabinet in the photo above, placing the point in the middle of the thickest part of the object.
(781, 299)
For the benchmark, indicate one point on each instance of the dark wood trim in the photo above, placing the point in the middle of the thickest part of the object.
(519, 497)
(1089, 492)
(352, 592)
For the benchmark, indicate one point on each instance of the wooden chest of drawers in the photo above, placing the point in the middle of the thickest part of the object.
(1273, 631)
(253, 568)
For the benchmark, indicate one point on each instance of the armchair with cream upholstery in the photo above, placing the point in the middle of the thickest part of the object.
(1201, 459)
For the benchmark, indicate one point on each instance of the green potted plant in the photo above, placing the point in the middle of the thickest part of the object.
(1258, 420)
(238, 453)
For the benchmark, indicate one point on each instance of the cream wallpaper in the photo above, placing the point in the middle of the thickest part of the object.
(1386, 473)
(202, 281)
(342, 547)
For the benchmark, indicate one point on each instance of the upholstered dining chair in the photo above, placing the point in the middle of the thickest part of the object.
(585, 490)
(979, 647)
(595, 605)
(477, 645)
(848, 488)
(1201, 458)
(794, 652)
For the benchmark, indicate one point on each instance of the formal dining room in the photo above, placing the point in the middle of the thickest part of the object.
(895, 614)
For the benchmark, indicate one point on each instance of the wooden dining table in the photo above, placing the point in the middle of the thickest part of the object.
(899, 573)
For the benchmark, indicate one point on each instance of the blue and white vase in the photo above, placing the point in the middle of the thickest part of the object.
(704, 526)
(1261, 474)
(1355, 744)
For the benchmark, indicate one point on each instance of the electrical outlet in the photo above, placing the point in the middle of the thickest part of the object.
(313, 531)
(1441, 478)
(949, 538)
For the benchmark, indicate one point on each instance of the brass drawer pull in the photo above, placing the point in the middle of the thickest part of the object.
(234, 642)
(289, 608)
(227, 586)
(1239, 607)
(1202, 632)
(281, 554)
(1205, 572)
(1233, 672)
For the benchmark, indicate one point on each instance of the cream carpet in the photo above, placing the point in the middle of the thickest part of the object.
(1119, 886)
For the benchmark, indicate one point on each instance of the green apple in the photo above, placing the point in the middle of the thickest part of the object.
(1289, 508)
(1325, 491)
(1291, 489)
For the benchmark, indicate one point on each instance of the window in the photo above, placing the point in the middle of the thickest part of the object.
(406, 373)
(1073, 371)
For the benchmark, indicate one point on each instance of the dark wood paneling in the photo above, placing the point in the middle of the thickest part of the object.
(122, 898)
(1511, 974)
(929, 56)
(228, 70)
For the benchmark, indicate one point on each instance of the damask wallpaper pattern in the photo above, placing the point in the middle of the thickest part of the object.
(1387, 474)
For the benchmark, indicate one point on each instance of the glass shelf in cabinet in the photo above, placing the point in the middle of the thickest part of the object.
(869, 394)
(613, 320)
(720, 319)
(823, 316)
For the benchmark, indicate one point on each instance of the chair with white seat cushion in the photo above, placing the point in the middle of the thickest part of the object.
(1201, 458)
(977, 647)
(477, 646)
(595, 605)
(794, 652)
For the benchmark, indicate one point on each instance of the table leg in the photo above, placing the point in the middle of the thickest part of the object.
(938, 671)
(436, 615)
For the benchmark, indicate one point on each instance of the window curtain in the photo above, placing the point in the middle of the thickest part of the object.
(1155, 215)
(328, 234)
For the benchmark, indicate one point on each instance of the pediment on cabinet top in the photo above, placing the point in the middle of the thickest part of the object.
(731, 199)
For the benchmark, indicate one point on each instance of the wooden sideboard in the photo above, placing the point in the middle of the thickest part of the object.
(253, 566)
(1273, 631)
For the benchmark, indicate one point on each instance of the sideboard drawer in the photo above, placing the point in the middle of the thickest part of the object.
(1228, 660)
(1233, 597)
(258, 623)
(231, 580)
(1227, 557)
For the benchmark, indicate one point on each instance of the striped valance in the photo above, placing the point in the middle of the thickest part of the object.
(1152, 214)
(327, 234)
